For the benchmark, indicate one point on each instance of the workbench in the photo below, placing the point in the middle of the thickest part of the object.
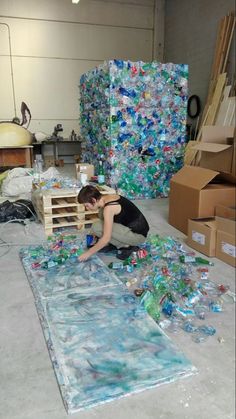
(62, 149)
(16, 156)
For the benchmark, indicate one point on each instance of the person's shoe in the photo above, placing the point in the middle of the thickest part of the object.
(108, 249)
(125, 252)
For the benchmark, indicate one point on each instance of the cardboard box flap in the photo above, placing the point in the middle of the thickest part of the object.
(208, 222)
(213, 133)
(211, 147)
(225, 212)
(226, 225)
(195, 177)
(211, 224)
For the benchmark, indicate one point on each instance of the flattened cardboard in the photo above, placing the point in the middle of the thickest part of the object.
(202, 235)
(193, 196)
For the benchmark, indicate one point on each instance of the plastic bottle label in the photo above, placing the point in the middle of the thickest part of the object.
(101, 179)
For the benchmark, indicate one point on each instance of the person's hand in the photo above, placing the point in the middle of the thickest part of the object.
(84, 256)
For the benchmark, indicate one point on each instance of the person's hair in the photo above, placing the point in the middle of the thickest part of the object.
(88, 193)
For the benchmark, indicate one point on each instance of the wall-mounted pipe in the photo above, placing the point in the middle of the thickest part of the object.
(12, 75)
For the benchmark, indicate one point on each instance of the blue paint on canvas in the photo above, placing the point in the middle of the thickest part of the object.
(102, 343)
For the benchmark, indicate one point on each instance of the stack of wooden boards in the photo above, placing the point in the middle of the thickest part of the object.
(58, 209)
(220, 106)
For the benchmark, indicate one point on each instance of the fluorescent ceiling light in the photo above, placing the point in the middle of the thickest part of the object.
(75, 1)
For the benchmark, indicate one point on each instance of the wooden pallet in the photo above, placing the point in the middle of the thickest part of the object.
(104, 189)
(60, 209)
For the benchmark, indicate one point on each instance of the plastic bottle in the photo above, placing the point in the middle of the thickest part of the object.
(101, 174)
(192, 259)
(134, 258)
(189, 327)
(116, 265)
(36, 173)
(151, 305)
(187, 259)
(202, 261)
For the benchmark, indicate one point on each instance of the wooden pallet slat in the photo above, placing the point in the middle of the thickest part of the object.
(62, 215)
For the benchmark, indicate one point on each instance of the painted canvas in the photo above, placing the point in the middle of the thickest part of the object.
(103, 345)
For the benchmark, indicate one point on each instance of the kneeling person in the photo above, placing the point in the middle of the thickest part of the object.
(121, 223)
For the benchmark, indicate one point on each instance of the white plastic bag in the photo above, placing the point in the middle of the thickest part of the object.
(17, 185)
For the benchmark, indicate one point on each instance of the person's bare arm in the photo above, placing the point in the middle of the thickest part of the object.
(108, 215)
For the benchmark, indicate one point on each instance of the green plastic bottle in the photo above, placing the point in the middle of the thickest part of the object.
(151, 305)
(101, 174)
(187, 259)
(191, 259)
(202, 261)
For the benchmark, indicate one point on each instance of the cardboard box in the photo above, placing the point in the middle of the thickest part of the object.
(202, 235)
(88, 169)
(225, 212)
(193, 194)
(49, 161)
(217, 149)
(77, 158)
(226, 241)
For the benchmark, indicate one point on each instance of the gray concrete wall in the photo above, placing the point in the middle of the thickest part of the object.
(190, 37)
(54, 42)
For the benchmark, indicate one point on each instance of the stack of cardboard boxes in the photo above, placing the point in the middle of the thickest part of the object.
(202, 198)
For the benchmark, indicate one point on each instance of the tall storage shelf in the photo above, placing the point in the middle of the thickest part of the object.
(133, 116)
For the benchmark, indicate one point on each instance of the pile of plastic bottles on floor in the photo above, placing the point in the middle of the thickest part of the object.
(174, 286)
(59, 248)
(133, 117)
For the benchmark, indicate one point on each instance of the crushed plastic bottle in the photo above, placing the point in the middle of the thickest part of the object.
(203, 273)
(151, 305)
(58, 249)
(189, 327)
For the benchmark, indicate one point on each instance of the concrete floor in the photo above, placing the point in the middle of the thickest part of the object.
(29, 388)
